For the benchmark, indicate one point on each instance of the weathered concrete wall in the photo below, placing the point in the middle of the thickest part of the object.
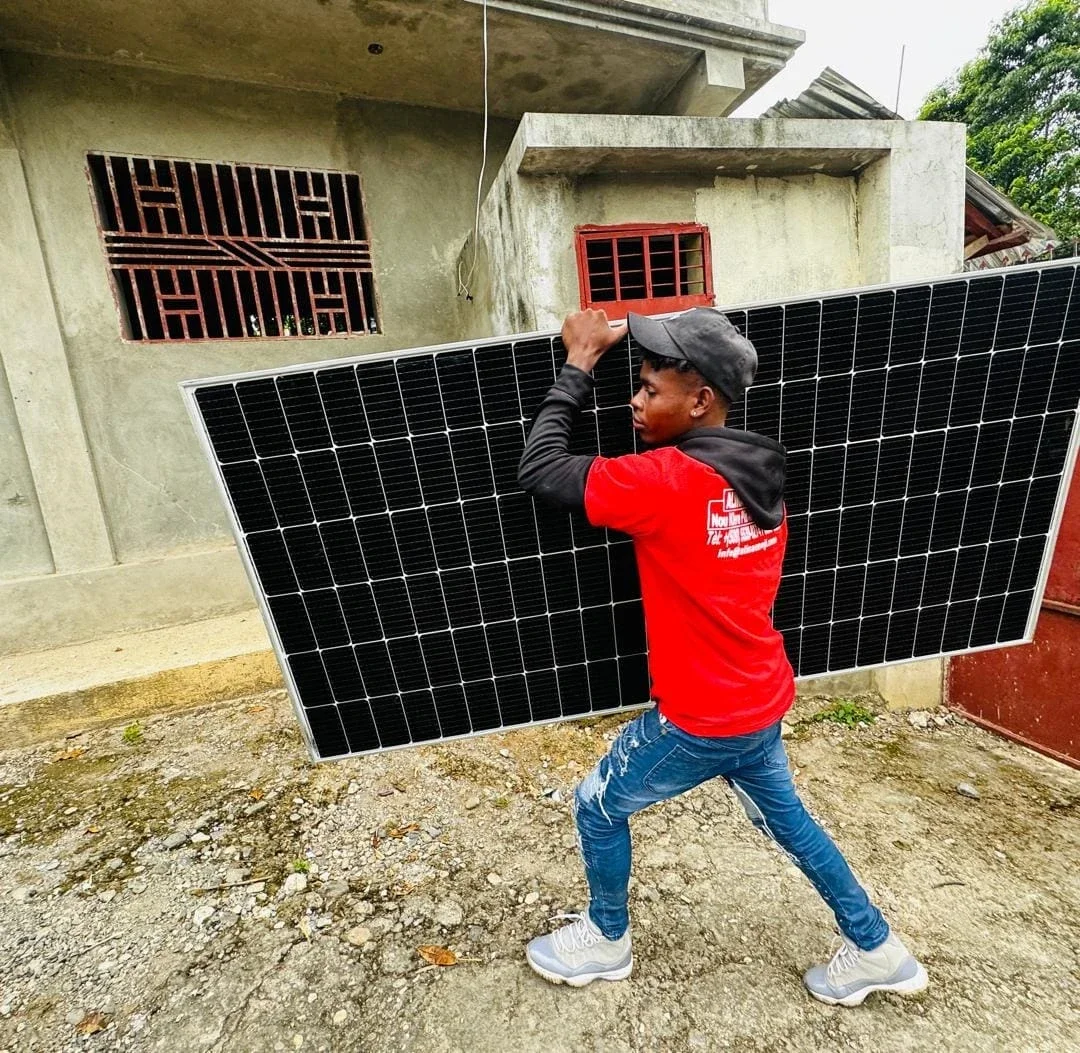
(419, 170)
(527, 275)
(926, 186)
(773, 237)
(777, 237)
(499, 271)
(794, 207)
(22, 529)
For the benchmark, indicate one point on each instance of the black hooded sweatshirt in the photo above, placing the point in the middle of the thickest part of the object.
(752, 464)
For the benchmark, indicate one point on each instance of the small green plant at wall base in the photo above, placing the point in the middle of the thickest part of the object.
(844, 711)
(132, 734)
(501, 802)
(300, 866)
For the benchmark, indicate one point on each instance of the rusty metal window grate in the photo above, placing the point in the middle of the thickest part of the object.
(202, 250)
(647, 268)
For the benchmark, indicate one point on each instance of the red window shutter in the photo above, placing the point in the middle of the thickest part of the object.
(648, 268)
(204, 250)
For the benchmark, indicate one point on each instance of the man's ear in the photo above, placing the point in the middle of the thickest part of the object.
(704, 400)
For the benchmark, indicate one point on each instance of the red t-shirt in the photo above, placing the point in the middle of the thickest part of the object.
(709, 576)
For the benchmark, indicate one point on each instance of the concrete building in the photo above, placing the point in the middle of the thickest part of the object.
(118, 134)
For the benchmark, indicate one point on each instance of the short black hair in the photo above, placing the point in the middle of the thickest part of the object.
(681, 365)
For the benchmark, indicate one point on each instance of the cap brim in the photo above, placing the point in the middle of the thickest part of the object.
(652, 335)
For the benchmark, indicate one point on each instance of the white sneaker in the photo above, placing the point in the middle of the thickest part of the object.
(853, 973)
(579, 953)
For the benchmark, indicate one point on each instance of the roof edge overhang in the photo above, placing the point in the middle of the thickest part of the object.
(601, 56)
(768, 40)
(576, 145)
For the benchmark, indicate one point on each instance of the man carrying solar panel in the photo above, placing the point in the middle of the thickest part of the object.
(705, 510)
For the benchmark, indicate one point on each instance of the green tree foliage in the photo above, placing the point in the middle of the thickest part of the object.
(1020, 99)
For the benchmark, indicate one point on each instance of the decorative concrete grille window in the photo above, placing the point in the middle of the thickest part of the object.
(200, 250)
(646, 268)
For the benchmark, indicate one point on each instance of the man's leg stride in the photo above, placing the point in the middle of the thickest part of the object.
(871, 957)
(641, 768)
(652, 760)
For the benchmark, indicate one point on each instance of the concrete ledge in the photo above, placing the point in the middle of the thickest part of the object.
(905, 685)
(836, 684)
(54, 716)
(55, 610)
(48, 694)
(679, 26)
(736, 50)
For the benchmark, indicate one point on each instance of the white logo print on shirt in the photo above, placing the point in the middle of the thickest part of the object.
(732, 531)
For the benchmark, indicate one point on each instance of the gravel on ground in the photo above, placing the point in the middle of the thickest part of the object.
(196, 883)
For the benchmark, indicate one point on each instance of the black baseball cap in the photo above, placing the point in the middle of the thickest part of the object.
(706, 339)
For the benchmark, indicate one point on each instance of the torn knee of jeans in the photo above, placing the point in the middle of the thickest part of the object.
(589, 788)
(753, 812)
(757, 817)
(591, 791)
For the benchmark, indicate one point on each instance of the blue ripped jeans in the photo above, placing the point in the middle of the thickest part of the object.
(653, 760)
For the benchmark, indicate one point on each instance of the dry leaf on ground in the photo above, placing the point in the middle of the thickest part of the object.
(92, 1023)
(72, 754)
(438, 955)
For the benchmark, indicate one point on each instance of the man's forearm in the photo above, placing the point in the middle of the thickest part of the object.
(547, 469)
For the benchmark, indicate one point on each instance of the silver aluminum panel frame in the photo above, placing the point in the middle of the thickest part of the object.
(1055, 527)
(189, 387)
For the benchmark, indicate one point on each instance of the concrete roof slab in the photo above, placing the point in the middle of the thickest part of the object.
(601, 56)
(573, 144)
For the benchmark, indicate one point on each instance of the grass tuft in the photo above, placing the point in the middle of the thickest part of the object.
(845, 711)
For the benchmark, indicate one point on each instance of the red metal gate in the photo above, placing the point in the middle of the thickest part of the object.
(1032, 693)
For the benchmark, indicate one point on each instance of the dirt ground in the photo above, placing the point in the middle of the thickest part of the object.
(337, 873)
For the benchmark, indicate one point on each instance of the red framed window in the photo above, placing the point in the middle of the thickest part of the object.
(201, 250)
(648, 268)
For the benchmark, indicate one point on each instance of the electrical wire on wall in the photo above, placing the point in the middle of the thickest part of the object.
(463, 284)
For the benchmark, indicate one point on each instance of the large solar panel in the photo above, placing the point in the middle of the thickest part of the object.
(415, 594)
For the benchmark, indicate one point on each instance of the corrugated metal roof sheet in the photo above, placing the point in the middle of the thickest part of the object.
(831, 96)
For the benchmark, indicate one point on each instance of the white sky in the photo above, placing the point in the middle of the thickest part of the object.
(862, 39)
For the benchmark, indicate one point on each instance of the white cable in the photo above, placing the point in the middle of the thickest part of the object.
(463, 286)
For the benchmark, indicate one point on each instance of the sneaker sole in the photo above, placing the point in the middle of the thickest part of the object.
(585, 978)
(913, 985)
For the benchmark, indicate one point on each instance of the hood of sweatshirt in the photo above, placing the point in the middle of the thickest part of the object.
(753, 464)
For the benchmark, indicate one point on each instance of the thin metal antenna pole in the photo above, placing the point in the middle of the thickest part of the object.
(899, 78)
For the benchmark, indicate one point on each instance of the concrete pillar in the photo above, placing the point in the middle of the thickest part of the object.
(911, 205)
(33, 357)
(912, 685)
